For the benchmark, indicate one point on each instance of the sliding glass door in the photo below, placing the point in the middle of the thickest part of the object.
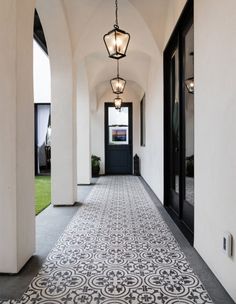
(179, 123)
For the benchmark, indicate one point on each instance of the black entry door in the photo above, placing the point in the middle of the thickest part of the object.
(118, 139)
(179, 124)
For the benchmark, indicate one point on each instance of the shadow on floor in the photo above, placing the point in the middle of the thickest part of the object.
(50, 224)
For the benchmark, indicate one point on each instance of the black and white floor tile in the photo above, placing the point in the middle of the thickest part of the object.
(116, 250)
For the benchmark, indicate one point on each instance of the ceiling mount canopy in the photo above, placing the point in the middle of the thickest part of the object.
(116, 40)
(118, 83)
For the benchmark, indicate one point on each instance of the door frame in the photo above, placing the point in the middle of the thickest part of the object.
(106, 134)
(176, 40)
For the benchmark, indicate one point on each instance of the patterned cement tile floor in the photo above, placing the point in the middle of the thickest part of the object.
(116, 250)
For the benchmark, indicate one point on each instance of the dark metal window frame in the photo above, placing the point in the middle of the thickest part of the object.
(143, 122)
(176, 39)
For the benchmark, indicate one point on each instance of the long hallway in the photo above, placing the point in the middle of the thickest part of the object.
(116, 250)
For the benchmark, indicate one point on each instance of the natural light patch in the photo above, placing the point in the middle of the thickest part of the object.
(42, 75)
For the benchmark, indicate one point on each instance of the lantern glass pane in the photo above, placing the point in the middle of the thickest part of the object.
(190, 85)
(117, 102)
(117, 42)
(118, 85)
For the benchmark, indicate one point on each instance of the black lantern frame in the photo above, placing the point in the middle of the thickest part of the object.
(116, 40)
(118, 102)
(118, 83)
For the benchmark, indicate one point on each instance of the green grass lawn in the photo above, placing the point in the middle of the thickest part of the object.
(42, 193)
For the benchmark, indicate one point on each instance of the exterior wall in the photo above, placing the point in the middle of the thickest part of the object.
(215, 134)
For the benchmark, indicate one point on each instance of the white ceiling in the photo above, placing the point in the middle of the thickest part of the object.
(89, 20)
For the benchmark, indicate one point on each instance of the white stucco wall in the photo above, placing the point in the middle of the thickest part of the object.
(42, 75)
(83, 127)
(17, 211)
(215, 135)
(173, 12)
(152, 154)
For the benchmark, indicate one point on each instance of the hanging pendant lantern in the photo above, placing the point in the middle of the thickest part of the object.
(190, 85)
(118, 83)
(118, 102)
(116, 40)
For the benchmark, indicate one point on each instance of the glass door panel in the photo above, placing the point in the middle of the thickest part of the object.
(175, 120)
(118, 124)
(179, 123)
(189, 118)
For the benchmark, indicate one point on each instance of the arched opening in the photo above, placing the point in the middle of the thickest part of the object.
(42, 117)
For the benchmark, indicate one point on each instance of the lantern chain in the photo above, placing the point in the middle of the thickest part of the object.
(118, 70)
(116, 21)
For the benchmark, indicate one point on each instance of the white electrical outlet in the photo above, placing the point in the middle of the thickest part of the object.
(227, 244)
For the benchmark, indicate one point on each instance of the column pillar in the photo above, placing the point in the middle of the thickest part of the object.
(83, 128)
(63, 165)
(17, 211)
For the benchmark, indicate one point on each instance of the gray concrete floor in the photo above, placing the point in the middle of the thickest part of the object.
(50, 224)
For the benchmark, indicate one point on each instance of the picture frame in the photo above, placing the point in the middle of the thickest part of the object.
(118, 135)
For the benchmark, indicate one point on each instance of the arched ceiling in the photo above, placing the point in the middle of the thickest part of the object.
(154, 13)
(134, 67)
(103, 92)
(89, 20)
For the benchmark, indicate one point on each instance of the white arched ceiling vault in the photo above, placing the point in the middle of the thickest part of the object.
(134, 68)
(148, 24)
(88, 45)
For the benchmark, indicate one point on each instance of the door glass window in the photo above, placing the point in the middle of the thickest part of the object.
(175, 120)
(189, 119)
(118, 124)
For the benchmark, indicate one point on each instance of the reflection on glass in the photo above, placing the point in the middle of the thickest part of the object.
(118, 126)
(175, 120)
(189, 120)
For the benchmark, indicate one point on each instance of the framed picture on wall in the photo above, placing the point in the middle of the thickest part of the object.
(118, 135)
